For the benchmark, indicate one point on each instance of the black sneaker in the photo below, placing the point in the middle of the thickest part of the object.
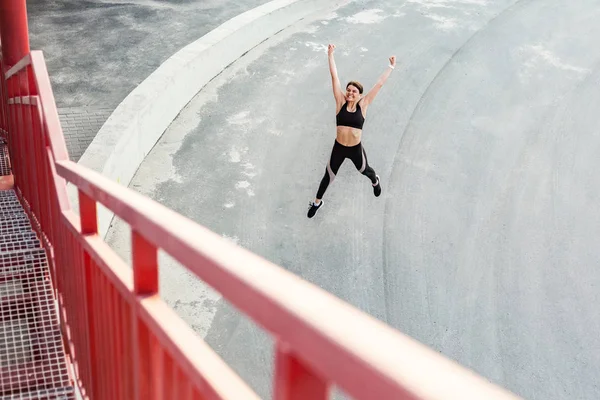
(377, 187)
(313, 208)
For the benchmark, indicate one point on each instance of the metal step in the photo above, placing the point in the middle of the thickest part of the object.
(7, 218)
(15, 237)
(33, 364)
(11, 210)
(66, 393)
(22, 263)
(16, 229)
(8, 194)
(12, 214)
(16, 225)
(9, 200)
(19, 241)
(32, 357)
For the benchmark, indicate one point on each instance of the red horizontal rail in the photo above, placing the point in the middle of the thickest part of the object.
(321, 330)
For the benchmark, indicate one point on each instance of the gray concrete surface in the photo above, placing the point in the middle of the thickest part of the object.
(80, 125)
(483, 244)
(97, 51)
(140, 120)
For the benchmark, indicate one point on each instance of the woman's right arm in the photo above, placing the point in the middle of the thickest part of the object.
(335, 81)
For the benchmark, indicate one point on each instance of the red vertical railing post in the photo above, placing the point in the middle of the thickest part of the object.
(90, 283)
(12, 127)
(158, 370)
(31, 113)
(294, 381)
(55, 213)
(14, 32)
(87, 212)
(34, 179)
(3, 98)
(23, 134)
(40, 165)
(89, 226)
(16, 132)
(145, 265)
(145, 283)
(14, 36)
(46, 189)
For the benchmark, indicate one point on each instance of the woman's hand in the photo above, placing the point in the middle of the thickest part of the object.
(330, 49)
(393, 61)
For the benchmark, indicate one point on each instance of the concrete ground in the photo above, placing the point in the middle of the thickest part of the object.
(97, 51)
(484, 243)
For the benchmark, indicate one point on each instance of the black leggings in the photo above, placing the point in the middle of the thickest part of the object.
(338, 155)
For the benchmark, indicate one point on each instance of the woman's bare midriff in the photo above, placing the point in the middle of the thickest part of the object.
(348, 136)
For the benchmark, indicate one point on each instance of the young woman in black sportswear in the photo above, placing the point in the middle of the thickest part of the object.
(351, 110)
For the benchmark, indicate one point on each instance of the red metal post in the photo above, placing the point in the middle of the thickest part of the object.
(14, 31)
(294, 381)
(89, 226)
(88, 215)
(145, 283)
(14, 41)
(145, 265)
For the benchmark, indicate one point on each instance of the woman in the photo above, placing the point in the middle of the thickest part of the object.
(351, 110)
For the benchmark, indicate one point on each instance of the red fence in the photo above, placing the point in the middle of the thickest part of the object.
(126, 343)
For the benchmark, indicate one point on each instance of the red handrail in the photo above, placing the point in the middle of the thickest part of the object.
(127, 344)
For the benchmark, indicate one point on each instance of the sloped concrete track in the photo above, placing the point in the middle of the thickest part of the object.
(484, 244)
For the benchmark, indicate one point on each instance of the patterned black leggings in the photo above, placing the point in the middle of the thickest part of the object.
(338, 155)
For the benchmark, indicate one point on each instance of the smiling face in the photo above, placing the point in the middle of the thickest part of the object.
(353, 91)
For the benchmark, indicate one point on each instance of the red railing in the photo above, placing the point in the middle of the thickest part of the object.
(3, 103)
(126, 343)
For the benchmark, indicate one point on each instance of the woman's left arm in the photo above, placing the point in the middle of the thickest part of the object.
(369, 97)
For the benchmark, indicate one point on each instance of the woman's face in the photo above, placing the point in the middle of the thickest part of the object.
(352, 93)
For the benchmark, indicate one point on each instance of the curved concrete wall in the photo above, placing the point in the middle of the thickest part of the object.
(143, 116)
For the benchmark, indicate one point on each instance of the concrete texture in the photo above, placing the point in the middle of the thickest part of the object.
(98, 51)
(483, 244)
(80, 125)
(140, 120)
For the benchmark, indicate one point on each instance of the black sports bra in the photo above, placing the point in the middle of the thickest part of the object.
(352, 119)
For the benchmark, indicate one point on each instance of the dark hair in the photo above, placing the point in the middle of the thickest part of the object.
(356, 85)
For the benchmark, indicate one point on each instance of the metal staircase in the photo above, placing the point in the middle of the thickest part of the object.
(33, 364)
